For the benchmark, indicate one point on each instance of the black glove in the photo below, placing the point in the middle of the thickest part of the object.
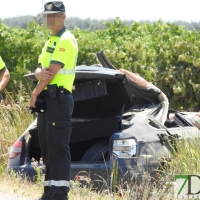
(40, 106)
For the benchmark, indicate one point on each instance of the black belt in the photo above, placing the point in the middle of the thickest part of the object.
(45, 93)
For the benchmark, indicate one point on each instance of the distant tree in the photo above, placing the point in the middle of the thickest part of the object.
(38, 19)
(86, 24)
(188, 25)
(20, 21)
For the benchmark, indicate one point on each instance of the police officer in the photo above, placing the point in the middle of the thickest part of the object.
(4, 77)
(56, 73)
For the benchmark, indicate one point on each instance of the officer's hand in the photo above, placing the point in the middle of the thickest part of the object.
(45, 74)
(33, 100)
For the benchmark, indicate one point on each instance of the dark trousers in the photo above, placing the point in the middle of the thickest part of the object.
(54, 130)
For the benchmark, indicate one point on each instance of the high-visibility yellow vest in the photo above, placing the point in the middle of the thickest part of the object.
(61, 49)
(2, 65)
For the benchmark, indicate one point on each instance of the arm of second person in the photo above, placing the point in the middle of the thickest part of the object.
(4, 78)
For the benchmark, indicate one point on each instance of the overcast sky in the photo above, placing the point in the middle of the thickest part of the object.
(153, 10)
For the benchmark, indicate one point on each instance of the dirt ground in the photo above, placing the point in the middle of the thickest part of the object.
(9, 196)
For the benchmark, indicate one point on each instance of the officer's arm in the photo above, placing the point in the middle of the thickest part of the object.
(43, 74)
(4, 78)
(53, 69)
(38, 71)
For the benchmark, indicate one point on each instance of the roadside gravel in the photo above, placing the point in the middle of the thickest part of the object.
(8, 196)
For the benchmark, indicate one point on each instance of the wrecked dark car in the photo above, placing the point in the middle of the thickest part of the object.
(119, 119)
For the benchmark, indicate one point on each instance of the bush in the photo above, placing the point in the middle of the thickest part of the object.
(165, 54)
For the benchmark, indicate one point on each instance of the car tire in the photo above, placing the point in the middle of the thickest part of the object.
(97, 152)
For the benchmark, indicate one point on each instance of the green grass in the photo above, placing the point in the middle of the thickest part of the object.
(187, 158)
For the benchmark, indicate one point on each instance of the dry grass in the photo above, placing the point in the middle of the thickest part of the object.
(18, 185)
(146, 190)
(187, 158)
(15, 118)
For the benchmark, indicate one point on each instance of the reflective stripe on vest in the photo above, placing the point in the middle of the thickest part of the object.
(57, 183)
(66, 71)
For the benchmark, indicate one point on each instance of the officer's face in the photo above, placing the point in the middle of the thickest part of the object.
(53, 21)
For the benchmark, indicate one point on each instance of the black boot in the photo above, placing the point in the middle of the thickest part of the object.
(47, 193)
(42, 198)
(59, 197)
(45, 197)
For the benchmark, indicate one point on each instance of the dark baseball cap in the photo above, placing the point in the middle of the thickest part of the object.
(54, 7)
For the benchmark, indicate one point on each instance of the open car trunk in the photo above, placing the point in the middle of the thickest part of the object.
(101, 96)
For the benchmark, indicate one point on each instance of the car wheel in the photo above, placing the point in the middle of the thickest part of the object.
(98, 152)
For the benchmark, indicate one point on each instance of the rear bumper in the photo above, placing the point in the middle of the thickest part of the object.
(95, 171)
(99, 173)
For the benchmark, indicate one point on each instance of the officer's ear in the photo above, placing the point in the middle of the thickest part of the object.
(63, 16)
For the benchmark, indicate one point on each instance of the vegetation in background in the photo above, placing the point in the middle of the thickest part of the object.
(165, 54)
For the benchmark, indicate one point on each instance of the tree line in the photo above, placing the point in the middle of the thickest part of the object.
(85, 24)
